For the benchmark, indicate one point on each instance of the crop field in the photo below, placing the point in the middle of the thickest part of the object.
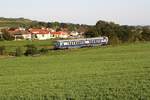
(101, 73)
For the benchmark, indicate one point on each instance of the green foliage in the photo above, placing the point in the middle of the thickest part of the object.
(12, 45)
(14, 22)
(18, 48)
(114, 40)
(1, 39)
(92, 32)
(106, 28)
(7, 35)
(31, 50)
(19, 52)
(146, 34)
(2, 50)
(72, 27)
(119, 34)
(116, 33)
(55, 25)
(44, 51)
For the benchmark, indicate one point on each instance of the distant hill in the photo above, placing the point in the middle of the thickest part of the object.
(14, 22)
(14, 19)
(27, 23)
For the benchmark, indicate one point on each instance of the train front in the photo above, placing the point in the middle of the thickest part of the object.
(56, 44)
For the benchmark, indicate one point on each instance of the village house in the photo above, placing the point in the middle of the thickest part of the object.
(40, 34)
(60, 34)
(21, 29)
(74, 33)
(20, 34)
(51, 30)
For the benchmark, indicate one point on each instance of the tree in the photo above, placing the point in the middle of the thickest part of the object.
(55, 25)
(49, 25)
(72, 27)
(63, 25)
(146, 34)
(7, 35)
(92, 32)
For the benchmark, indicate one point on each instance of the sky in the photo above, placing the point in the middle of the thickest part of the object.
(124, 12)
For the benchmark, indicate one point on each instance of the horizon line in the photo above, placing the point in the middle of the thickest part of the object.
(46, 21)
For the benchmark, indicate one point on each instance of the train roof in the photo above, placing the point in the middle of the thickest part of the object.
(80, 39)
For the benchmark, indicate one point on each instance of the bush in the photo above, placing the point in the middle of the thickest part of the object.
(7, 35)
(12, 53)
(2, 50)
(114, 40)
(44, 51)
(18, 52)
(1, 39)
(31, 50)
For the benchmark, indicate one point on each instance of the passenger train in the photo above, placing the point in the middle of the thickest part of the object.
(79, 43)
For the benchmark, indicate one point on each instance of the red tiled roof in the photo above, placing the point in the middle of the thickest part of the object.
(39, 31)
(59, 33)
(19, 32)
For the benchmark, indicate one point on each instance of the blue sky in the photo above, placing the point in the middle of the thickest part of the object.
(131, 12)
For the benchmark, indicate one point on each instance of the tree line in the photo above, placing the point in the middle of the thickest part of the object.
(116, 33)
(119, 33)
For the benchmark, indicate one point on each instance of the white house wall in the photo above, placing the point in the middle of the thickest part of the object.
(27, 36)
(43, 36)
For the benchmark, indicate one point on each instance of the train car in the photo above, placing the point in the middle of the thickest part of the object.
(79, 43)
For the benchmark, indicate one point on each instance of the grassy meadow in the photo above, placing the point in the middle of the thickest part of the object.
(12, 45)
(101, 73)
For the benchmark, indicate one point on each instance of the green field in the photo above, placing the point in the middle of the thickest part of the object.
(12, 45)
(106, 73)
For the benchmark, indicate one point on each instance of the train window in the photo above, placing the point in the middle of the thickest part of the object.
(69, 43)
(90, 41)
(82, 42)
(78, 42)
(61, 43)
(65, 43)
(87, 42)
(98, 41)
(75, 43)
(94, 41)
